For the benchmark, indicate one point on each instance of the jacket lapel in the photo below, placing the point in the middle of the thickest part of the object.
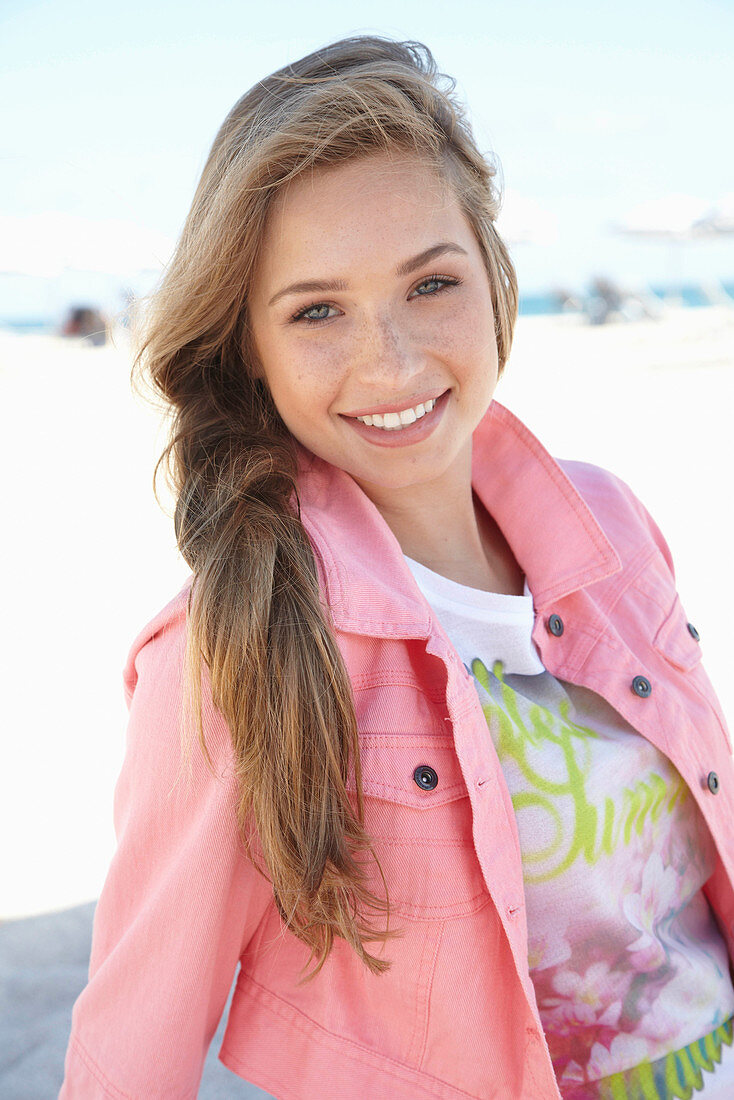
(552, 532)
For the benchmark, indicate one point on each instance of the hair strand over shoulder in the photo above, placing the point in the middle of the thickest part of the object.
(258, 635)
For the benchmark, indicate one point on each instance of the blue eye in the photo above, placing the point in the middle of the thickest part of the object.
(435, 284)
(320, 309)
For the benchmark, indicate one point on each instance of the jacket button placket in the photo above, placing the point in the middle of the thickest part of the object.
(712, 782)
(426, 777)
(642, 686)
(555, 625)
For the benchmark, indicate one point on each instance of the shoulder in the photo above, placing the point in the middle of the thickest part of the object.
(625, 520)
(601, 489)
(157, 693)
(160, 643)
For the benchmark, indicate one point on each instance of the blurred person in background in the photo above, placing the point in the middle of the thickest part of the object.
(87, 323)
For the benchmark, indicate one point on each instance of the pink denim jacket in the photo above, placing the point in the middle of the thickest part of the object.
(455, 1017)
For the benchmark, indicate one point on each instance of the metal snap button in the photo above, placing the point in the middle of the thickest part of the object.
(693, 632)
(712, 782)
(425, 777)
(641, 686)
(555, 625)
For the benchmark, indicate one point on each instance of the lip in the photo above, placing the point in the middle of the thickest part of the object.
(411, 433)
(382, 409)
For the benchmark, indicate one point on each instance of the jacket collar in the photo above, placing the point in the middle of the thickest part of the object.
(557, 541)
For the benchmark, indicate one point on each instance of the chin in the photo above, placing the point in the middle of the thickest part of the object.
(399, 481)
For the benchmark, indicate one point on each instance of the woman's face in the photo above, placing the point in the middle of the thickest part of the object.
(372, 302)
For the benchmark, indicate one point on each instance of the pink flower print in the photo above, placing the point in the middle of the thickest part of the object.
(625, 1052)
(694, 986)
(547, 949)
(657, 900)
(691, 851)
(573, 1072)
(595, 997)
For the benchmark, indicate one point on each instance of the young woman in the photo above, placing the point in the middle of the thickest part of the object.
(455, 742)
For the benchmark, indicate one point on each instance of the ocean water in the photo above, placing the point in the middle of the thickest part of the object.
(42, 326)
(545, 303)
(692, 297)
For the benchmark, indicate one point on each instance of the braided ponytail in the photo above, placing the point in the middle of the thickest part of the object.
(256, 625)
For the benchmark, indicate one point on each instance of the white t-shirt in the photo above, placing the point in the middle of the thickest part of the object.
(630, 970)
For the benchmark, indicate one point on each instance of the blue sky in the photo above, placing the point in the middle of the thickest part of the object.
(108, 112)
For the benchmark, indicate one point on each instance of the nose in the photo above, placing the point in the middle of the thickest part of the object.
(386, 354)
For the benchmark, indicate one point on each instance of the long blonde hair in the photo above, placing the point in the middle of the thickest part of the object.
(255, 617)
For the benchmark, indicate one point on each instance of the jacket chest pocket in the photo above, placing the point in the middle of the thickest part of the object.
(677, 641)
(418, 814)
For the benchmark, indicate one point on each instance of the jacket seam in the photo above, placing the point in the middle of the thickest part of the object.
(394, 628)
(429, 994)
(631, 572)
(310, 1027)
(467, 708)
(653, 599)
(392, 740)
(97, 1073)
(446, 911)
(423, 841)
(456, 790)
(388, 678)
(566, 671)
(421, 1002)
(676, 646)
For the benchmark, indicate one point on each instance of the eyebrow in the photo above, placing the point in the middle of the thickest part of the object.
(407, 267)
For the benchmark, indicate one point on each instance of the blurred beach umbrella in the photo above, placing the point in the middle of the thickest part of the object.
(51, 243)
(671, 218)
(524, 221)
(679, 220)
(719, 219)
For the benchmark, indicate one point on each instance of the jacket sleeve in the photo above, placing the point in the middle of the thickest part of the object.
(178, 907)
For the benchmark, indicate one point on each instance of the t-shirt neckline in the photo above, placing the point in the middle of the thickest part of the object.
(448, 591)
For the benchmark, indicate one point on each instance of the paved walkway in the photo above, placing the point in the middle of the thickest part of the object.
(43, 968)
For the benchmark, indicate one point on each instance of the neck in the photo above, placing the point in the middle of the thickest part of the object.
(447, 529)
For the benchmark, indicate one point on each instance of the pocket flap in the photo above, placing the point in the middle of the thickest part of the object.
(389, 764)
(675, 641)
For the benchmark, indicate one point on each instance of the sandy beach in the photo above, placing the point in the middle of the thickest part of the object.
(90, 557)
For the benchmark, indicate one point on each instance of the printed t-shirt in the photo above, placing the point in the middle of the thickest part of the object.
(631, 973)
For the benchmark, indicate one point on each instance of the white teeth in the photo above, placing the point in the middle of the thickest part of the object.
(394, 421)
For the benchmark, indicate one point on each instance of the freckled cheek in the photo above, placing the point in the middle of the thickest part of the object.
(464, 336)
(310, 382)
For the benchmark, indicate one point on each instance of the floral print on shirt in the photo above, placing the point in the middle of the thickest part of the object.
(628, 966)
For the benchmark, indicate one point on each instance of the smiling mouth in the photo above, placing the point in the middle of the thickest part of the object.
(396, 421)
